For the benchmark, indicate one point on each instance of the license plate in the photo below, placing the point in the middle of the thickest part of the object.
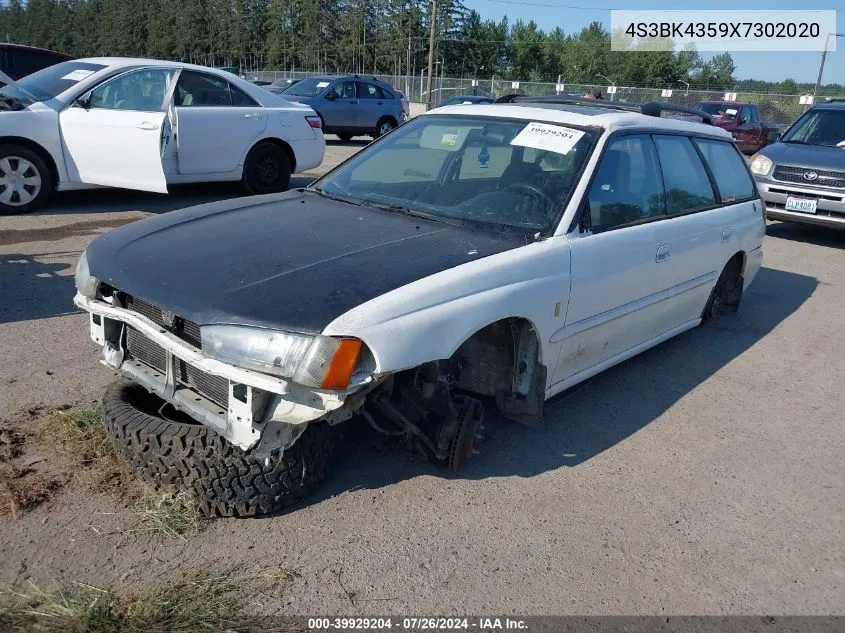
(800, 204)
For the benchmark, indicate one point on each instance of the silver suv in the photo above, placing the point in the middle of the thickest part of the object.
(802, 177)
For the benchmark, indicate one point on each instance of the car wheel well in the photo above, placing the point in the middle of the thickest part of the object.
(727, 292)
(38, 149)
(279, 143)
(504, 360)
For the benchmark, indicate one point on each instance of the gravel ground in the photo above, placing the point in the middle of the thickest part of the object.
(704, 476)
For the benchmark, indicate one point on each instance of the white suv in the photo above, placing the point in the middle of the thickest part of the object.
(494, 254)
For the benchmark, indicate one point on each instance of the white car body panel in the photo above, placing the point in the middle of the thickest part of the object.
(82, 163)
(114, 148)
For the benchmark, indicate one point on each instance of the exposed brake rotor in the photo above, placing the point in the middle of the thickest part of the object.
(463, 444)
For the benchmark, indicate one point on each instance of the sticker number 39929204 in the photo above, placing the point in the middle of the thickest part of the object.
(544, 136)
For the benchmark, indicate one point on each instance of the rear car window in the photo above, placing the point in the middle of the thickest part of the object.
(728, 168)
(684, 177)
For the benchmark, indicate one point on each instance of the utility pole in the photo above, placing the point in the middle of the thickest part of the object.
(431, 33)
(821, 65)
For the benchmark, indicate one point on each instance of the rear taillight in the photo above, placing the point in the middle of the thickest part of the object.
(314, 121)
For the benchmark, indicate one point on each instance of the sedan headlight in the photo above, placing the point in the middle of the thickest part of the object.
(86, 284)
(323, 362)
(760, 165)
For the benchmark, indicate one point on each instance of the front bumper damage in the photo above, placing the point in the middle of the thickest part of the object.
(263, 411)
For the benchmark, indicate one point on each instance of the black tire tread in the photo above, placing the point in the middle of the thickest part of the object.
(226, 480)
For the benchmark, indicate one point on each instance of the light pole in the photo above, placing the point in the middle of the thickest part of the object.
(821, 65)
(612, 83)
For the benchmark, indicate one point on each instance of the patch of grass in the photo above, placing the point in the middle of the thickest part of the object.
(81, 435)
(207, 602)
(171, 514)
(11, 443)
(23, 489)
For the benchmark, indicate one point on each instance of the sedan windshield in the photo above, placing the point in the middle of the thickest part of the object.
(818, 127)
(308, 87)
(496, 173)
(50, 82)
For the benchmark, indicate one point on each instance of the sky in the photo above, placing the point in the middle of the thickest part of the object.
(573, 15)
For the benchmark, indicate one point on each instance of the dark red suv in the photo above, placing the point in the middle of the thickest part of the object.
(19, 61)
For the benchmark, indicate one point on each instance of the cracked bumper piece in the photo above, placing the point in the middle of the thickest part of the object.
(237, 403)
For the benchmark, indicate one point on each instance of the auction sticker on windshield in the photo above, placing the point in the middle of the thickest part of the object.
(78, 75)
(551, 138)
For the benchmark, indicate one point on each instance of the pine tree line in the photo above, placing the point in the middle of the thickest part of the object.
(372, 36)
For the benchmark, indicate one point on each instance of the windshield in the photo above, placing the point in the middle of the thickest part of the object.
(818, 127)
(722, 110)
(308, 87)
(468, 169)
(50, 82)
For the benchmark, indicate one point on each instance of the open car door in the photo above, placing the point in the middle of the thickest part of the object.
(115, 134)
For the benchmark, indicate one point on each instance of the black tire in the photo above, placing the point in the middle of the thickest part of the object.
(21, 163)
(189, 456)
(727, 292)
(266, 169)
(345, 137)
(384, 126)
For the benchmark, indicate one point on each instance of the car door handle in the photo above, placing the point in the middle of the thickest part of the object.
(726, 235)
(147, 126)
(353, 101)
(663, 254)
(254, 116)
(379, 102)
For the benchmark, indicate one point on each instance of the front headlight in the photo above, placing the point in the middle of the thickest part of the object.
(323, 362)
(86, 284)
(760, 165)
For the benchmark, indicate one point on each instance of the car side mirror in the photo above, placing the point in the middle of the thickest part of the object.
(83, 102)
(331, 96)
(743, 121)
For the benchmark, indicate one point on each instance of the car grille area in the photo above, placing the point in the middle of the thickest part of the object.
(797, 175)
(141, 348)
(186, 330)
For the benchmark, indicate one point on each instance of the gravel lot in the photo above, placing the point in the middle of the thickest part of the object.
(704, 476)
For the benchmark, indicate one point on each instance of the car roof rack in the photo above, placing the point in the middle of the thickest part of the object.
(652, 108)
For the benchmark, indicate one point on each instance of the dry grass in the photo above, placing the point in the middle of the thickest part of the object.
(204, 603)
(23, 489)
(81, 437)
(171, 514)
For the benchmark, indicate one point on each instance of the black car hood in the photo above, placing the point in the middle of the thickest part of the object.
(809, 156)
(293, 261)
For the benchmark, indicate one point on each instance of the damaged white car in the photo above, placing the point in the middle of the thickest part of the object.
(474, 258)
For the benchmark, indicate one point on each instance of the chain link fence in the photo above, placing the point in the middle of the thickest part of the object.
(778, 109)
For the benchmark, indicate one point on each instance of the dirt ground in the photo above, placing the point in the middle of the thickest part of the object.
(704, 476)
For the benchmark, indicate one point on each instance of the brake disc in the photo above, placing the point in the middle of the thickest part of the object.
(464, 442)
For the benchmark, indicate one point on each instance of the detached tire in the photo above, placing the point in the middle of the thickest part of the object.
(189, 456)
(25, 180)
(266, 169)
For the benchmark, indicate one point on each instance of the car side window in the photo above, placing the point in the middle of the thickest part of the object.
(240, 99)
(752, 115)
(343, 90)
(201, 90)
(140, 90)
(369, 91)
(626, 187)
(685, 179)
(728, 169)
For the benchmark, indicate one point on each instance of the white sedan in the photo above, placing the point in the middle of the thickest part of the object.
(146, 124)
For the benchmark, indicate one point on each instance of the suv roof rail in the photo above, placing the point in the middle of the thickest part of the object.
(653, 108)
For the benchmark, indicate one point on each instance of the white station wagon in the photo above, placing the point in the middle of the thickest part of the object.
(143, 124)
(486, 256)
